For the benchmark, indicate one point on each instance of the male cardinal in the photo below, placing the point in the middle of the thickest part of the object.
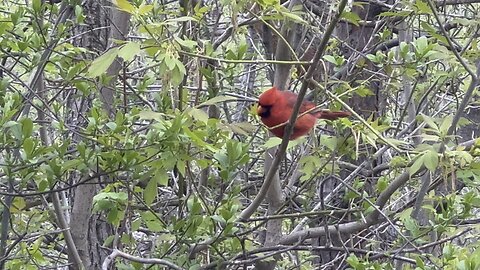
(275, 108)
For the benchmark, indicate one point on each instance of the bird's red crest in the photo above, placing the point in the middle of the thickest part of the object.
(269, 97)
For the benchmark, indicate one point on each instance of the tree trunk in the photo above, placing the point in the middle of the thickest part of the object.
(89, 230)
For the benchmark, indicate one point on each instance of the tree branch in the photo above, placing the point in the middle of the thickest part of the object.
(289, 126)
(117, 253)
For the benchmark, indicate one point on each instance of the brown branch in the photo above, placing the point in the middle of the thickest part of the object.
(289, 127)
(38, 84)
(473, 75)
(246, 213)
(354, 226)
(65, 13)
(305, 214)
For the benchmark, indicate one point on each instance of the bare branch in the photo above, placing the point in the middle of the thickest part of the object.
(117, 253)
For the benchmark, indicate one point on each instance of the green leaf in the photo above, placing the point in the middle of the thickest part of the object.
(395, 14)
(395, 142)
(177, 74)
(181, 166)
(113, 216)
(219, 219)
(161, 177)
(275, 141)
(354, 261)
(136, 224)
(272, 142)
(216, 100)
(200, 141)
(150, 115)
(80, 17)
(181, 19)
(382, 184)
(421, 45)
(181, 68)
(170, 62)
(125, 6)
(27, 127)
(446, 123)
(143, 9)
(416, 166)
(187, 43)
(433, 32)
(429, 121)
(28, 146)
(419, 261)
(111, 125)
(294, 17)
(242, 128)
(152, 221)
(71, 164)
(194, 207)
(198, 114)
(370, 138)
(43, 185)
(37, 5)
(309, 165)
(151, 191)
(351, 17)
(10, 124)
(100, 65)
(430, 160)
(330, 58)
(329, 141)
(423, 7)
(129, 51)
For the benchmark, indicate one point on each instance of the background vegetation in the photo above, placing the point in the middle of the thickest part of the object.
(128, 138)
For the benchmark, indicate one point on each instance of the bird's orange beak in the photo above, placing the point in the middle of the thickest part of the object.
(260, 109)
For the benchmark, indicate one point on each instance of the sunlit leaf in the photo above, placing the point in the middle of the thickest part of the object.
(129, 51)
(143, 9)
(351, 17)
(124, 5)
(446, 124)
(423, 7)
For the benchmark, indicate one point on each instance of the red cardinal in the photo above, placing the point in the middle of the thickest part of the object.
(275, 108)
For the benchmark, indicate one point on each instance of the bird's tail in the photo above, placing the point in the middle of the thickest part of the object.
(331, 115)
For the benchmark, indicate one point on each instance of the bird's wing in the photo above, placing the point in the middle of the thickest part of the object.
(291, 98)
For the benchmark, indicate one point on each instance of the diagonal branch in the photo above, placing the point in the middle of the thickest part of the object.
(289, 126)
